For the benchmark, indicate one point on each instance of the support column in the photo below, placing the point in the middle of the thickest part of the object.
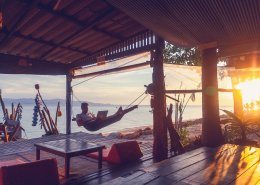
(160, 143)
(68, 104)
(211, 130)
(237, 98)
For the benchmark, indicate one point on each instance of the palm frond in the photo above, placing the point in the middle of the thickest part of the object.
(226, 121)
(233, 116)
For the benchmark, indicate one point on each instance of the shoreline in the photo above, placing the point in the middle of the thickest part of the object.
(145, 133)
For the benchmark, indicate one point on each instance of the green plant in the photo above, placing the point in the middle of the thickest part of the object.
(237, 128)
(184, 136)
(181, 56)
(180, 106)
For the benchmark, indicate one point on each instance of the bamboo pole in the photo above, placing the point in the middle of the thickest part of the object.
(12, 117)
(53, 126)
(54, 129)
(16, 111)
(56, 115)
(50, 128)
(68, 103)
(2, 103)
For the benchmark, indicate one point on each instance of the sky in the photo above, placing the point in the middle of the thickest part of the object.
(120, 88)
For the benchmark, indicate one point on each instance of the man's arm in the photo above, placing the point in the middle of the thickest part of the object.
(79, 120)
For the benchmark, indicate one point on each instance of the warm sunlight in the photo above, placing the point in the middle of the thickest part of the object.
(250, 92)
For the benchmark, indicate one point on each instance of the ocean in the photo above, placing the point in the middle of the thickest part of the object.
(137, 118)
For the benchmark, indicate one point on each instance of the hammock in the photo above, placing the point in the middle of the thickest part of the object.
(99, 124)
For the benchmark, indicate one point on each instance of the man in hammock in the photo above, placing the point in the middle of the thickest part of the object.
(87, 117)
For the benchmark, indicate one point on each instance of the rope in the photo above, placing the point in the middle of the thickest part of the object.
(142, 99)
(72, 102)
(103, 73)
(76, 98)
(187, 77)
(135, 100)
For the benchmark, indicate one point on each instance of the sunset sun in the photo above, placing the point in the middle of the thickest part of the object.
(250, 91)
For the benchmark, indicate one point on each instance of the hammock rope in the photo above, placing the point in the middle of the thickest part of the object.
(104, 74)
(128, 106)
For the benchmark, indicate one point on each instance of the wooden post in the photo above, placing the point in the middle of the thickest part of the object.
(237, 98)
(160, 144)
(68, 104)
(211, 130)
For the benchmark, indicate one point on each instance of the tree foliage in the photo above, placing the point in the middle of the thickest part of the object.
(181, 56)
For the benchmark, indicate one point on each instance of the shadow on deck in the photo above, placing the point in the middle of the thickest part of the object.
(83, 169)
(228, 164)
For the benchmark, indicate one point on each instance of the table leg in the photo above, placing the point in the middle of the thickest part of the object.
(38, 154)
(100, 158)
(67, 167)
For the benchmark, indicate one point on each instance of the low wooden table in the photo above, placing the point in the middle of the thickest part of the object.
(68, 148)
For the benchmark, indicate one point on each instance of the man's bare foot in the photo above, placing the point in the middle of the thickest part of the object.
(119, 111)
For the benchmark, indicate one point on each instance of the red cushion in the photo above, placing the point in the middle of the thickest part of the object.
(120, 153)
(94, 155)
(39, 172)
(125, 152)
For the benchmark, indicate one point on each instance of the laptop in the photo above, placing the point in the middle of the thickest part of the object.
(102, 114)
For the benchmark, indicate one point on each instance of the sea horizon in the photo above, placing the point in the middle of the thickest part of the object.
(140, 117)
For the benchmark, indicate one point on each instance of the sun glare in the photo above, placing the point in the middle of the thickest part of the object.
(250, 91)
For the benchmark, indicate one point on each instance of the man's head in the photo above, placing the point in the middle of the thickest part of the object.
(84, 107)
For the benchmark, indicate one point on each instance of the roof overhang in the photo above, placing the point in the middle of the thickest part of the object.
(208, 23)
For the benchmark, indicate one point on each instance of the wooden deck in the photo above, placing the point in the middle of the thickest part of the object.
(228, 164)
(82, 168)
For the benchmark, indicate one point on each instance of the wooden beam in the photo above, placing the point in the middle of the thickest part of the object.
(237, 98)
(10, 64)
(197, 91)
(118, 69)
(68, 103)
(92, 58)
(239, 49)
(208, 45)
(41, 41)
(87, 26)
(108, 33)
(251, 60)
(211, 130)
(63, 15)
(17, 23)
(160, 143)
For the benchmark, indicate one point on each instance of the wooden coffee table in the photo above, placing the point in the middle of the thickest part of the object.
(68, 148)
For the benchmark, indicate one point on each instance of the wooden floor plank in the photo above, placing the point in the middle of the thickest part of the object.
(225, 169)
(173, 166)
(198, 166)
(223, 165)
(85, 168)
(251, 176)
(160, 181)
(123, 180)
(198, 153)
(206, 166)
(142, 179)
(111, 173)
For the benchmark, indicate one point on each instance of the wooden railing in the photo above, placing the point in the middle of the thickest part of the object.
(141, 42)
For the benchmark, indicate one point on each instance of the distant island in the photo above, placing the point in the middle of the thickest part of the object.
(30, 101)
